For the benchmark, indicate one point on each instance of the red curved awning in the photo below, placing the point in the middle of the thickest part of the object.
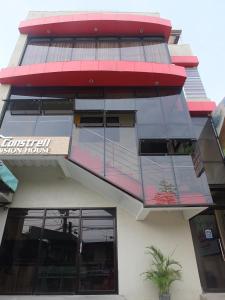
(97, 24)
(185, 61)
(94, 73)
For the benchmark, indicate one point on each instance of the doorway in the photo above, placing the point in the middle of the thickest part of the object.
(208, 233)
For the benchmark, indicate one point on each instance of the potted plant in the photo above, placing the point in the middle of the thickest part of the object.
(164, 271)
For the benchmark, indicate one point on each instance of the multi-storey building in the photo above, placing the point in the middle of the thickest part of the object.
(107, 129)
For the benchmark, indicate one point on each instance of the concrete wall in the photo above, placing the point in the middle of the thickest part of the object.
(47, 187)
(180, 50)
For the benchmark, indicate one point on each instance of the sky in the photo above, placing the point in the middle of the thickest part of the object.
(202, 23)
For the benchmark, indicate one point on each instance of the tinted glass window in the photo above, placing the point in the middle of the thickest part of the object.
(84, 49)
(131, 49)
(148, 147)
(57, 106)
(25, 107)
(60, 50)
(58, 251)
(36, 51)
(108, 49)
(150, 49)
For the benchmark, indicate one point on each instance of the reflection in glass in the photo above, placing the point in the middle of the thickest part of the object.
(19, 254)
(87, 148)
(57, 271)
(150, 49)
(47, 254)
(191, 189)
(156, 50)
(97, 256)
(108, 49)
(108, 212)
(84, 49)
(36, 51)
(122, 161)
(158, 180)
(131, 49)
(60, 50)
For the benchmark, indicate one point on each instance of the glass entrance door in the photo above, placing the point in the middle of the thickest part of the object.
(208, 232)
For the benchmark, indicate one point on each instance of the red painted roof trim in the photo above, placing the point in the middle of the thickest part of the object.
(201, 108)
(94, 73)
(185, 61)
(97, 24)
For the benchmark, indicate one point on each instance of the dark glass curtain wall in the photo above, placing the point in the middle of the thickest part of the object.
(150, 49)
(140, 139)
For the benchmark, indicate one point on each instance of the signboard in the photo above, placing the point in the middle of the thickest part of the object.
(33, 145)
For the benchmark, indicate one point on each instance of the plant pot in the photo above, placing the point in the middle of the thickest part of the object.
(164, 297)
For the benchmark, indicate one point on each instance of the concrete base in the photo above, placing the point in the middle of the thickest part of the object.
(213, 296)
(61, 297)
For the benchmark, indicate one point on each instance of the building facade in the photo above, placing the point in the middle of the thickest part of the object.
(108, 146)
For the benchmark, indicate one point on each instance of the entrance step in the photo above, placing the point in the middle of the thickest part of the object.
(72, 297)
(213, 296)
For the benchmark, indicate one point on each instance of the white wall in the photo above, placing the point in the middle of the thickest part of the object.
(47, 187)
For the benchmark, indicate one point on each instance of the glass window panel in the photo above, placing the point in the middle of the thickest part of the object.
(84, 49)
(182, 147)
(87, 148)
(146, 92)
(57, 271)
(36, 51)
(119, 93)
(107, 212)
(18, 125)
(158, 180)
(57, 106)
(152, 131)
(207, 131)
(174, 109)
(149, 147)
(90, 93)
(19, 254)
(115, 119)
(63, 212)
(108, 49)
(97, 255)
(90, 104)
(192, 189)
(131, 49)
(120, 104)
(54, 126)
(149, 111)
(60, 50)
(198, 125)
(122, 161)
(179, 131)
(156, 51)
(25, 107)
(20, 212)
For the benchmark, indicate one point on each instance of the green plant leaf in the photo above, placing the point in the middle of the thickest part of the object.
(164, 270)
